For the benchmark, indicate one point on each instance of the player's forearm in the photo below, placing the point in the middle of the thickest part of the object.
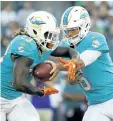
(74, 54)
(28, 88)
(65, 52)
(21, 71)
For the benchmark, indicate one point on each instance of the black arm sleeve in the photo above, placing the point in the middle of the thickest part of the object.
(65, 52)
(21, 70)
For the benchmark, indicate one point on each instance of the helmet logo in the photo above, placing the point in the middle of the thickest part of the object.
(96, 43)
(37, 20)
(83, 14)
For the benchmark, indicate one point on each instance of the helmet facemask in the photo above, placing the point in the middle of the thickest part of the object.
(72, 34)
(49, 41)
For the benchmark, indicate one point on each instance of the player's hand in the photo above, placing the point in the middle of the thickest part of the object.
(49, 91)
(71, 66)
(78, 75)
(54, 71)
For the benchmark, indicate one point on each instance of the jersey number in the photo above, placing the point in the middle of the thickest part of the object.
(85, 84)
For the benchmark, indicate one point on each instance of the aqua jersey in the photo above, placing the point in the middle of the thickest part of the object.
(21, 45)
(99, 74)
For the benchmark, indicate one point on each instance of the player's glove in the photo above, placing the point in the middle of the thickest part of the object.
(71, 67)
(54, 71)
(78, 75)
(49, 91)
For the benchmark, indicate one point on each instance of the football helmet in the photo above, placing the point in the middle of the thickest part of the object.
(42, 27)
(75, 18)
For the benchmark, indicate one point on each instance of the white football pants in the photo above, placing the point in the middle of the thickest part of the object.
(19, 109)
(100, 112)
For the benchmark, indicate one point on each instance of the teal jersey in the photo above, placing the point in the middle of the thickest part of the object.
(99, 74)
(21, 45)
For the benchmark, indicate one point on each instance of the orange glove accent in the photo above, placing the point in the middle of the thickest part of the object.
(49, 91)
(71, 66)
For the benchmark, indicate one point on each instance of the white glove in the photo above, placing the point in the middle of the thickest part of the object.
(55, 70)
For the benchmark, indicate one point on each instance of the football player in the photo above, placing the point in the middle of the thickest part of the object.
(29, 47)
(94, 61)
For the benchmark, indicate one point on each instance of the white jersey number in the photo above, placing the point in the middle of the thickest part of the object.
(84, 84)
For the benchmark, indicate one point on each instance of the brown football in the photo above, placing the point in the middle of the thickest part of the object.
(42, 71)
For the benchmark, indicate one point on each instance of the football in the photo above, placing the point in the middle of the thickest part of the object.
(42, 71)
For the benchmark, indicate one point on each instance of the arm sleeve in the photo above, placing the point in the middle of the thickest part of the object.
(65, 52)
(89, 56)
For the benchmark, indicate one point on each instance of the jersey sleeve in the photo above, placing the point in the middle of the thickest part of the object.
(99, 44)
(24, 46)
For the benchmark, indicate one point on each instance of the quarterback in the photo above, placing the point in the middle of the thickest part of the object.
(95, 62)
(29, 47)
